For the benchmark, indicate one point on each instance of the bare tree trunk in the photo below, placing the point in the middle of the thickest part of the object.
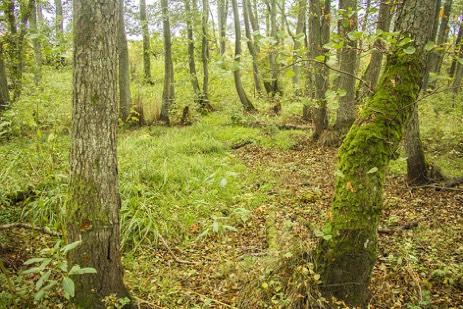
(371, 74)
(4, 94)
(319, 35)
(125, 100)
(363, 28)
(146, 43)
(346, 260)
(453, 66)
(416, 161)
(247, 104)
(93, 210)
(347, 107)
(59, 20)
(273, 55)
(301, 21)
(36, 44)
(168, 94)
(432, 55)
(205, 105)
(222, 10)
(443, 34)
(251, 47)
(191, 51)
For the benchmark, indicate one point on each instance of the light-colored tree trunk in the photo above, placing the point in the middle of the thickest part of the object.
(125, 100)
(205, 105)
(300, 25)
(168, 93)
(222, 10)
(94, 204)
(347, 108)
(247, 104)
(251, 47)
(432, 55)
(417, 167)
(146, 43)
(318, 74)
(36, 44)
(371, 74)
(191, 51)
(346, 260)
(453, 66)
(443, 34)
(274, 88)
(59, 20)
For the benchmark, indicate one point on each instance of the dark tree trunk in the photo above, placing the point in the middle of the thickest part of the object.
(222, 10)
(416, 161)
(168, 93)
(36, 44)
(59, 20)
(251, 47)
(319, 35)
(453, 66)
(432, 55)
(300, 25)
(347, 108)
(371, 74)
(273, 54)
(4, 94)
(93, 210)
(347, 259)
(191, 51)
(443, 34)
(125, 101)
(146, 43)
(247, 104)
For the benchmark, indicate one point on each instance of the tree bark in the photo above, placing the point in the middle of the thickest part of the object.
(431, 56)
(346, 260)
(36, 44)
(318, 78)
(59, 20)
(274, 88)
(347, 107)
(125, 100)
(205, 104)
(453, 66)
(443, 34)
(222, 10)
(191, 51)
(168, 93)
(416, 161)
(251, 47)
(247, 104)
(371, 74)
(93, 209)
(146, 43)
(4, 93)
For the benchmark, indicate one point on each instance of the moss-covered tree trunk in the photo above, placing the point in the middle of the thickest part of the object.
(125, 101)
(146, 43)
(347, 259)
(94, 205)
(4, 93)
(247, 104)
(168, 93)
(348, 59)
(317, 81)
(371, 74)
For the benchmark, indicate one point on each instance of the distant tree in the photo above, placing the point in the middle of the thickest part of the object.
(4, 94)
(453, 66)
(272, 83)
(222, 10)
(317, 79)
(59, 20)
(94, 205)
(433, 35)
(35, 30)
(205, 104)
(168, 94)
(371, 74)
(348, 59)
(146, 42)
(346, 259)
(125, 101)
(247, 104)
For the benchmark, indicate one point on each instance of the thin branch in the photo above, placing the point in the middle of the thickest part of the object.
(44, 230)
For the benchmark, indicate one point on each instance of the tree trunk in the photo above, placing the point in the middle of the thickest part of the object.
(443, 34)
(222, 10)
(371, 74)
(146, 43)
(125, 101)
(4, 94)
(59, 20)
(93, 209)
(363, 28)
(346, 260)
(247, 104)
(301, 21)
(191, 51)
(319, 35)
(168, 93)
(347, 107)
(432, 55)
(456, 84)
(416, 162)
(36, 44)
(205, 105)
(251, 47)
(453, 66)
(273, 54)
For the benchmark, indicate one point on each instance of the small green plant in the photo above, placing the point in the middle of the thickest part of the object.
(53, 271)
(113, 302)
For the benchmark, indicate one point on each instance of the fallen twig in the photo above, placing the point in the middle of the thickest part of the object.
(44, 230)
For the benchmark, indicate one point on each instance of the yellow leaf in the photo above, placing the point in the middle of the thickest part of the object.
(350, 187)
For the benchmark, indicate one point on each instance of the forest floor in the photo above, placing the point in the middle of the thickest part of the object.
(211, 213)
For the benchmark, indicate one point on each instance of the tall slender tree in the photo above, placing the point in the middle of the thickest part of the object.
(59, 20)
(273, 87)
(347, 109)
(168, 93)
(4, 93)
(247, 104)
(453, 66)
(125, 100)
(146, 43)
(205, 105)
(94, 205)
(34, 27)
(222, 10)
(346, 260)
